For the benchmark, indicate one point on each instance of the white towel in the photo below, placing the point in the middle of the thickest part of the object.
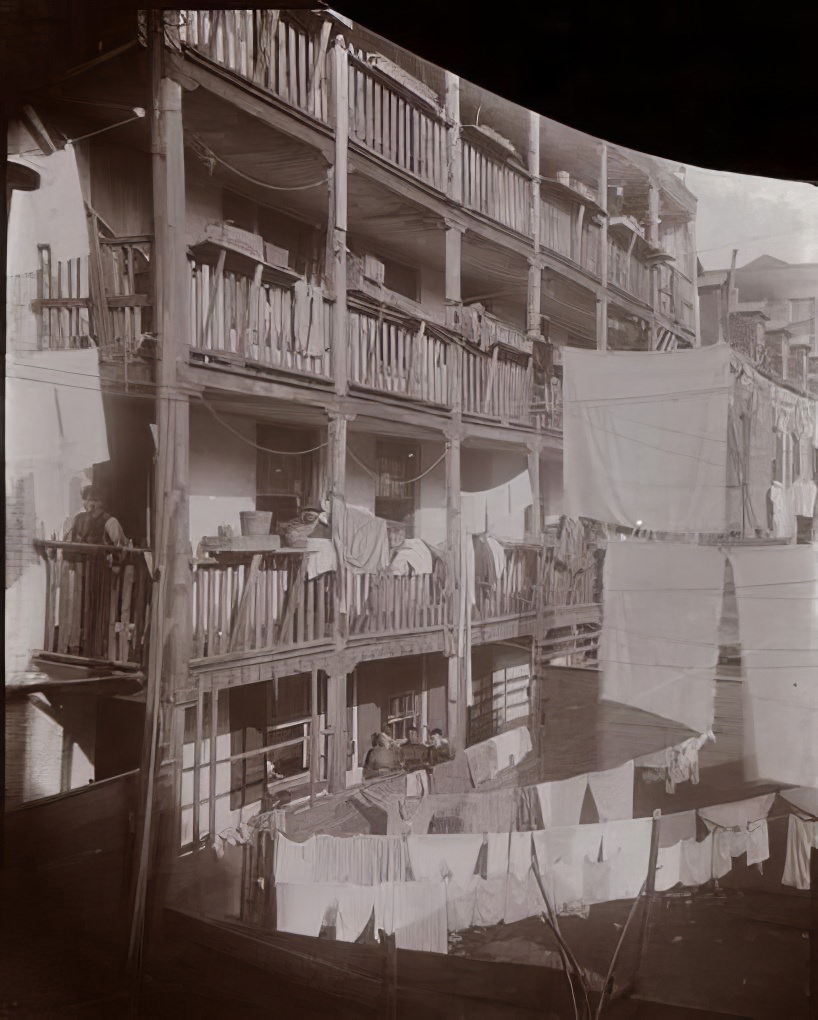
(613, 792)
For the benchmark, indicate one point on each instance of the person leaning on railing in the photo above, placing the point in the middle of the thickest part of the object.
(93, 525)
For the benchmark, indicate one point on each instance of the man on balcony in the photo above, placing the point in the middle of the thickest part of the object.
(93, 524)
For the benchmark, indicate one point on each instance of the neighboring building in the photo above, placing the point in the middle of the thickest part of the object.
(368, 270)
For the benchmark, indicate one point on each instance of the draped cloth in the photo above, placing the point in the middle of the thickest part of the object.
(777, 596)
(659, 644)
(645, 436)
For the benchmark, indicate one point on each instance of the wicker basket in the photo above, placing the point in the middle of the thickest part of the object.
(255, 522)
(296, 533)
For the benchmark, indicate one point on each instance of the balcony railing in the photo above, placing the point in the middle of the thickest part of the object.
(391, 604)
(570, 577)
(485, 330)
(97, 601)
(496, 189)
(396, 125)
(268, 48)
(398, 358)
(546, 408)
(514, 593)
(259, 321)
(126, 266)
(62, 303)
(627, 273)
(560, 233)
(496, 387)
(248, 602)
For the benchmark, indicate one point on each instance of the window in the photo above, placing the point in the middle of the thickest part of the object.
(398, 464)
(802, 309)
(288, 480)
(404, 711)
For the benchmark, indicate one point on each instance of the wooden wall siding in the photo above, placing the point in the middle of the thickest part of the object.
(496, 189)
(494, 387)
(97, 602)
(398, 359)
(589, 252)
(396, 126)
(388, 604)
(676, 296)
(627, 273)
(560, 233)
(125, 264)
(515, 592)
(267, 48)
(259, 602)
(546, 408)
(62, 304)
(235, 314)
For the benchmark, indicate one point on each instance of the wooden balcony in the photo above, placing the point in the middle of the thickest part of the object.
(272, 49)
(627, 273)
(392, 604)
(388, 354)
(497, 189)
(127, 283)
(395, 124)
(496, 385)
(514, 593)
(566, 231)
(62, 304)
(253, 601)
(676, 296)
(97, 602)
(256, 317)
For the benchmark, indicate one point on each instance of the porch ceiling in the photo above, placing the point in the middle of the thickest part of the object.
(258, 151)
(267, 409)
(487, 269)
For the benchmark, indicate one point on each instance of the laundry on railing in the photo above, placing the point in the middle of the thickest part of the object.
(413, 557)
(363, 538)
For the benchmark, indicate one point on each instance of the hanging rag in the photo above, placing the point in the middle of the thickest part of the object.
(659, 646)
(612, 791)
(740, 813)
(644, 437)
(497, 857)
(473, 512)
(293, 863)
(511, 747)
(355, 906)
(435, 858)
(802, 836)
(776, 593)
(696, 861)
(460, 903)
(783, 511)
(561, 801)
(364, 540)
(322, 558)
(302, 907)
(803, 497)
(596, 882)
(452, 776)
(482, 759)
(490, 900)
(627, 845)
(497, 557)
(413, 557)
(674, 828)
(668, 867)
(415, 912)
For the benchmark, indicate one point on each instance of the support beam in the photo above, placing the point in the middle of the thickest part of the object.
(338, 211)
(337, 728)
(457, 599)
(454, 181)
(534, 304)
(602, 299)
(534, 475)
(452, 279)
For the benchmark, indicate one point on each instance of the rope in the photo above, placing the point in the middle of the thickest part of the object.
(405, 481)
(209, 154)
(250, 442)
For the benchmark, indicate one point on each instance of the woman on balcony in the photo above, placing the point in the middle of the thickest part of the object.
(93, 525)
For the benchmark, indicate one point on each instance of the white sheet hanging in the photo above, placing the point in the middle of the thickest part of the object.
(777, 595)
(659, 647)
(646, 437)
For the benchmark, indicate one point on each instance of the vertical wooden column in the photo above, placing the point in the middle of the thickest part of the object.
(457, 597)
(534, 303)
(533, 321)
(171, 625)
(534, 475)
(602, 297)
(337, 677)
(454, 177)
(451, 285)
(337, 270)
(653, 240)
(337, 726)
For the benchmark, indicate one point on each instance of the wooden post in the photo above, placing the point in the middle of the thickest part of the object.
(337, 727)
(534, 304)
(315, 763)
(534, 475)
(457, 597)
(452, 291)
(602, 297)
(454, 177)
(171, 629)
(650, 892)
(813, 934)
(533, 320)
(338, 191)
(390, 946)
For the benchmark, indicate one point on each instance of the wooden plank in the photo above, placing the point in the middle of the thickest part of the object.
(295, 595)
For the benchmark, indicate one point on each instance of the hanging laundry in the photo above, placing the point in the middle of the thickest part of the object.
(360, 860)
(561, 801)
(413, 557)
(644, 437)
(658, 649)
(302, 907)
(783, 511)
(511, 747)
(739, 813)
(613, 792)
(293, 862)
(497, 505)
(356, 904)
(802, 836)
(415, 912)
(776, 592)
(436, 858)
(490, 900)
(696, 861)
(627, 845)
(473, 512)
(675, 828)
(482, 759)
(683, 761)
(417, 783)
(668, 867)
(497, 555)
(803, 497)
(758, 842)
(722, 855)
(322, 557)
(460, 903)
(452, 776)
(308, 319)
(363, 539)
(497, 857)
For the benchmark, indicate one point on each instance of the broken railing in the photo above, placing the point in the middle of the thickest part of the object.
(496, 189)
(97, 601)
(496, 384)
(273, 49)
(514, 591)
(251, 601)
